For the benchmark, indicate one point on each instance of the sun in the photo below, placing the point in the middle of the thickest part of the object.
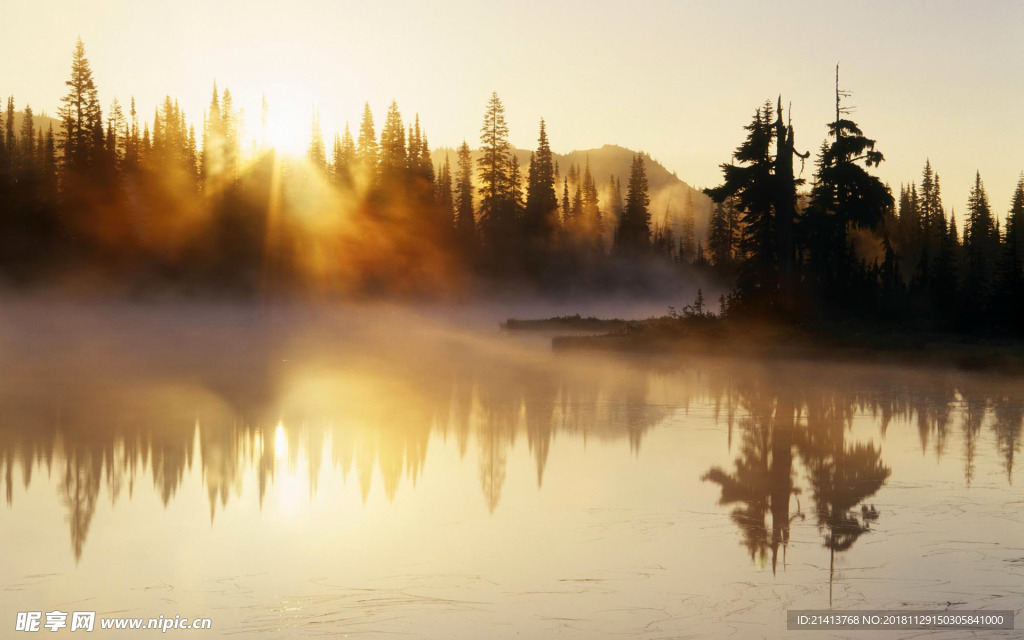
(286, 128)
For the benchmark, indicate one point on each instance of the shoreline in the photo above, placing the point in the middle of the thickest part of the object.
(709, 336)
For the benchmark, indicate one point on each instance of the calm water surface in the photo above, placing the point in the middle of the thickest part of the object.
(379, 472)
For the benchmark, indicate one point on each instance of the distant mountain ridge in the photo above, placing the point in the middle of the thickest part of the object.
(39, 121)
(669, 194)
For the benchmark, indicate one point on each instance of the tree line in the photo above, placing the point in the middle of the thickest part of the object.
(843, 247)
(117, 197)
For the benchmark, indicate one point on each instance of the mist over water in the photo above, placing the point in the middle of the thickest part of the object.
(295, 471)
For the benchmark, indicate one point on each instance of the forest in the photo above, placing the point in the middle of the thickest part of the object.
(112, 200)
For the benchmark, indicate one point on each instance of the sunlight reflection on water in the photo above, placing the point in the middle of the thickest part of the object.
(380, 472)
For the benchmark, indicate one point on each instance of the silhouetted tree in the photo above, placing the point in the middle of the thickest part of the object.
(633, 233)
(981, 241)
(751, 185)
(495, 215)
(845, 197)
(465, 220)
(540, 216)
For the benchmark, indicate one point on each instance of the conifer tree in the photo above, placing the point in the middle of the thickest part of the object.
(366, 147)
(444, 198)
(11, 143)
(590, 210)
(117, 140)
(426, 162)
(514, 198)
(393, 159)
(316, 154)
(465, 222)
(344, 160)
(541, 212)
(1011, 264)
(81, 116)
(566, 207)
(688, 243)
(981, 243)
(751, 184)
(615, 203)
(335, 157)
(28, 137)
(845, 196)
(633, 233)
(495, 210)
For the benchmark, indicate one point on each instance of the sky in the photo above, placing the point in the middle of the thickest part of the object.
(930, 80)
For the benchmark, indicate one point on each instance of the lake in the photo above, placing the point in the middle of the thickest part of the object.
(379, 470)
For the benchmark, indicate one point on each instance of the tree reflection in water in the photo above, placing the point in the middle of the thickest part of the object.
(217, 410)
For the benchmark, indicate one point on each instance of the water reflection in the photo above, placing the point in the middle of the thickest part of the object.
(260, 404)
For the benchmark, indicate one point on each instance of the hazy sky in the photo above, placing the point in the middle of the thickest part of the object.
(676, 79)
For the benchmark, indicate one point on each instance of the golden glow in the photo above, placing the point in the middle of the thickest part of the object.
(285, 127)
(280, 443)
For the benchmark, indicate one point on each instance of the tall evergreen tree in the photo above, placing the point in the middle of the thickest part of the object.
(366, 147)
(981, 242)
(541, 213)
(317, 154)
(688, 242)
(722, 233)
(28, 137)
(393, 159)
(445, 197)
(592, 222)
(1011, 264)
(81, 116)
(845, 197)
(495, 212)
(751, 184)
(344, 160)
(465, 221)
(633, 234)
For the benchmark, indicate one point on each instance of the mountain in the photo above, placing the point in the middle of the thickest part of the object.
(669, 194)
(39, 121)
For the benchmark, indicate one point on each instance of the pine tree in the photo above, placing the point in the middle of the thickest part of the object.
(81, 116)
(1011, 264)
(633, 234)
(335, 158)
(11, 143)
(540, 217)
(615, 203)
(845, 197)
(566, 207)
(132, 142)
(444, 197)
(426, 163)
(229, 128)
(514, 198)
(393, 158)
(981, 242)
(49, 165)
(465, 222)
(316, 154)
(493, 170)
(366, 147)
(344, 160)
(117, 140)
(688, 243)
(751, 184)
(944, 272)
(28, 137)
(414, 148)
(722, 234)
(930, 207)
(590, 209)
